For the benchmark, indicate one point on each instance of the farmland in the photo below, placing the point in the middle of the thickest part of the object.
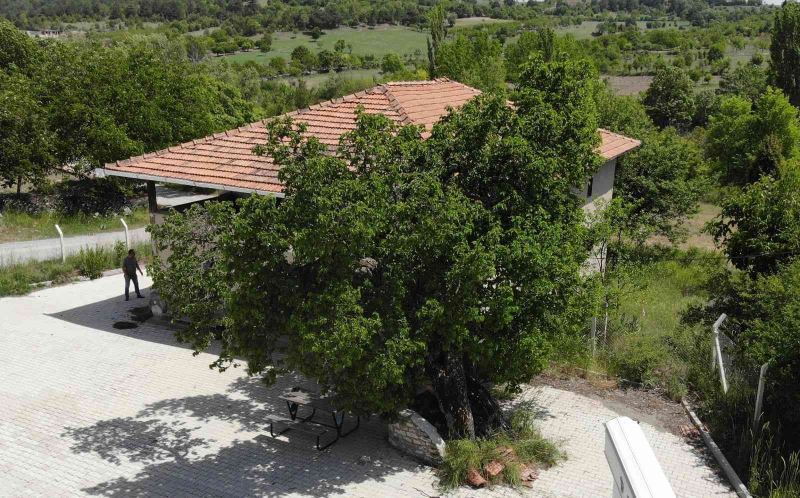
(377, 41)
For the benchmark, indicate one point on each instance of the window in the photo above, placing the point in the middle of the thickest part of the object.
(589, 187)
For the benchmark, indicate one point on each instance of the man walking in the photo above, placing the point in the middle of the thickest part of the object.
(129, 267)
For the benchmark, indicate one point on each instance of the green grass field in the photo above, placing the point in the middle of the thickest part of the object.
(378, 41)
(315, 80)
(468, 22)
(586, 28)
(22, 226)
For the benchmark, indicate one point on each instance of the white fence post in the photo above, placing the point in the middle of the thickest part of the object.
(633, 465)
(762, 377)
(61, 239)
(127, 236)
(716, 353)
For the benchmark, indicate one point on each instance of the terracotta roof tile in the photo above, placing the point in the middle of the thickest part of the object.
(226, 161)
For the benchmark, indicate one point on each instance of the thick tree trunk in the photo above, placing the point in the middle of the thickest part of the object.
(19, 185)
(446, 371)
(486, 412)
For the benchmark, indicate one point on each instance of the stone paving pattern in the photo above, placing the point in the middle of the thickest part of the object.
(86, 409)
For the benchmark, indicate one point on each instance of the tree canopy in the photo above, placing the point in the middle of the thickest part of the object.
(785, 50)
(669, 100)
(474, 60)
(759, 227)
(660, 185)
(26, 142)
(401, 262)
(746, 140)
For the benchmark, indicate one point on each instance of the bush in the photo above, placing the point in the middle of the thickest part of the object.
(92, 262)
(90, 196)
(28, 203)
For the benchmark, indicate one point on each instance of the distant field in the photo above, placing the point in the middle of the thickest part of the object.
(628, 85)
(745, 54)
(475, 21)
(315, 80)
(586, 28)
(378, 41)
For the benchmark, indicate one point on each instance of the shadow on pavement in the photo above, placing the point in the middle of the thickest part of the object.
(179, 458)
(127, 318)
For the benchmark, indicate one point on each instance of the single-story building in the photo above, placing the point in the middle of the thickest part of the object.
(225, 161)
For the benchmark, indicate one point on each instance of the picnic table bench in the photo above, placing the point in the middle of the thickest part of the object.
(296, 398)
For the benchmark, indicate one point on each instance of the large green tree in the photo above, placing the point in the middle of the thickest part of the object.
(475, 60)
(26, 142)
(438, 32)
(16, 47)
(669, 99)
(660, 185)
(785, 50)
(746, 80)
(746, 140)
(109, 103)
(401, 263)
(759, 227)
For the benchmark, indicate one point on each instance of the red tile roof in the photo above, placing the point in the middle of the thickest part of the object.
(226, 161)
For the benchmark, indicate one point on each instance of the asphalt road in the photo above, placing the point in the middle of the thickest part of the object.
(45, 249)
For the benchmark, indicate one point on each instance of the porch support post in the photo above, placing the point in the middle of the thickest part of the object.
(152, 203)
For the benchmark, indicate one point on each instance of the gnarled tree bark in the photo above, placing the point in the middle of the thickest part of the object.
(446, 371)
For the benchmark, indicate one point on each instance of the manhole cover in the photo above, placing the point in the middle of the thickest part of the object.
(125, 325)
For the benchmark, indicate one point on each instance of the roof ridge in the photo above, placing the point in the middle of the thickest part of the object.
(394, 104)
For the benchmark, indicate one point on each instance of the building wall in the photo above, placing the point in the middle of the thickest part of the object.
(602, 192)
(602, 187)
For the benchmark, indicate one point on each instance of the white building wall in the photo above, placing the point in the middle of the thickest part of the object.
(602, 192)
(602, 187)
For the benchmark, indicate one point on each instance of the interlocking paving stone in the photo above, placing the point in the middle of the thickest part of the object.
(86, 409)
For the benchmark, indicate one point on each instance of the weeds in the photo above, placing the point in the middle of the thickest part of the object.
(771, 474)
(515, 449)
(17, 279)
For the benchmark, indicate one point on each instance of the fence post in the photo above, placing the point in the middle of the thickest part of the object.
(127, 236)
(762, 377)
(716, 353)
(715, 330)
(594, 335)
(61, 239)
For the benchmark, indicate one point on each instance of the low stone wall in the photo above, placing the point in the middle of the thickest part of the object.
(416, 437)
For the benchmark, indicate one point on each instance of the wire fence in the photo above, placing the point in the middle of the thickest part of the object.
(723, 362)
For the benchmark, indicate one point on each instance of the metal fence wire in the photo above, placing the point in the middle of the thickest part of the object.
(723, 361)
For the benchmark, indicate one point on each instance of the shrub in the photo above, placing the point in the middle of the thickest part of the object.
(92, 262)
(515, 448)
(90, 196)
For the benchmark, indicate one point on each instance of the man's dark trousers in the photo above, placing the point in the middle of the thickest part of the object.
(128, 279)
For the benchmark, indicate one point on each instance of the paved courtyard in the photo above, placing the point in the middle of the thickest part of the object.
(89, 409)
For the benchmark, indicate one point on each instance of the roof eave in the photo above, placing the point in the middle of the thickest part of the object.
(104, 172)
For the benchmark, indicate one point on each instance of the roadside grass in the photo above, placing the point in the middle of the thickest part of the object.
(377, 41)
(91, 262)
(15, 226)
(519, 448)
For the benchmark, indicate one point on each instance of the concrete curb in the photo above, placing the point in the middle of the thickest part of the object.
(733, 478)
